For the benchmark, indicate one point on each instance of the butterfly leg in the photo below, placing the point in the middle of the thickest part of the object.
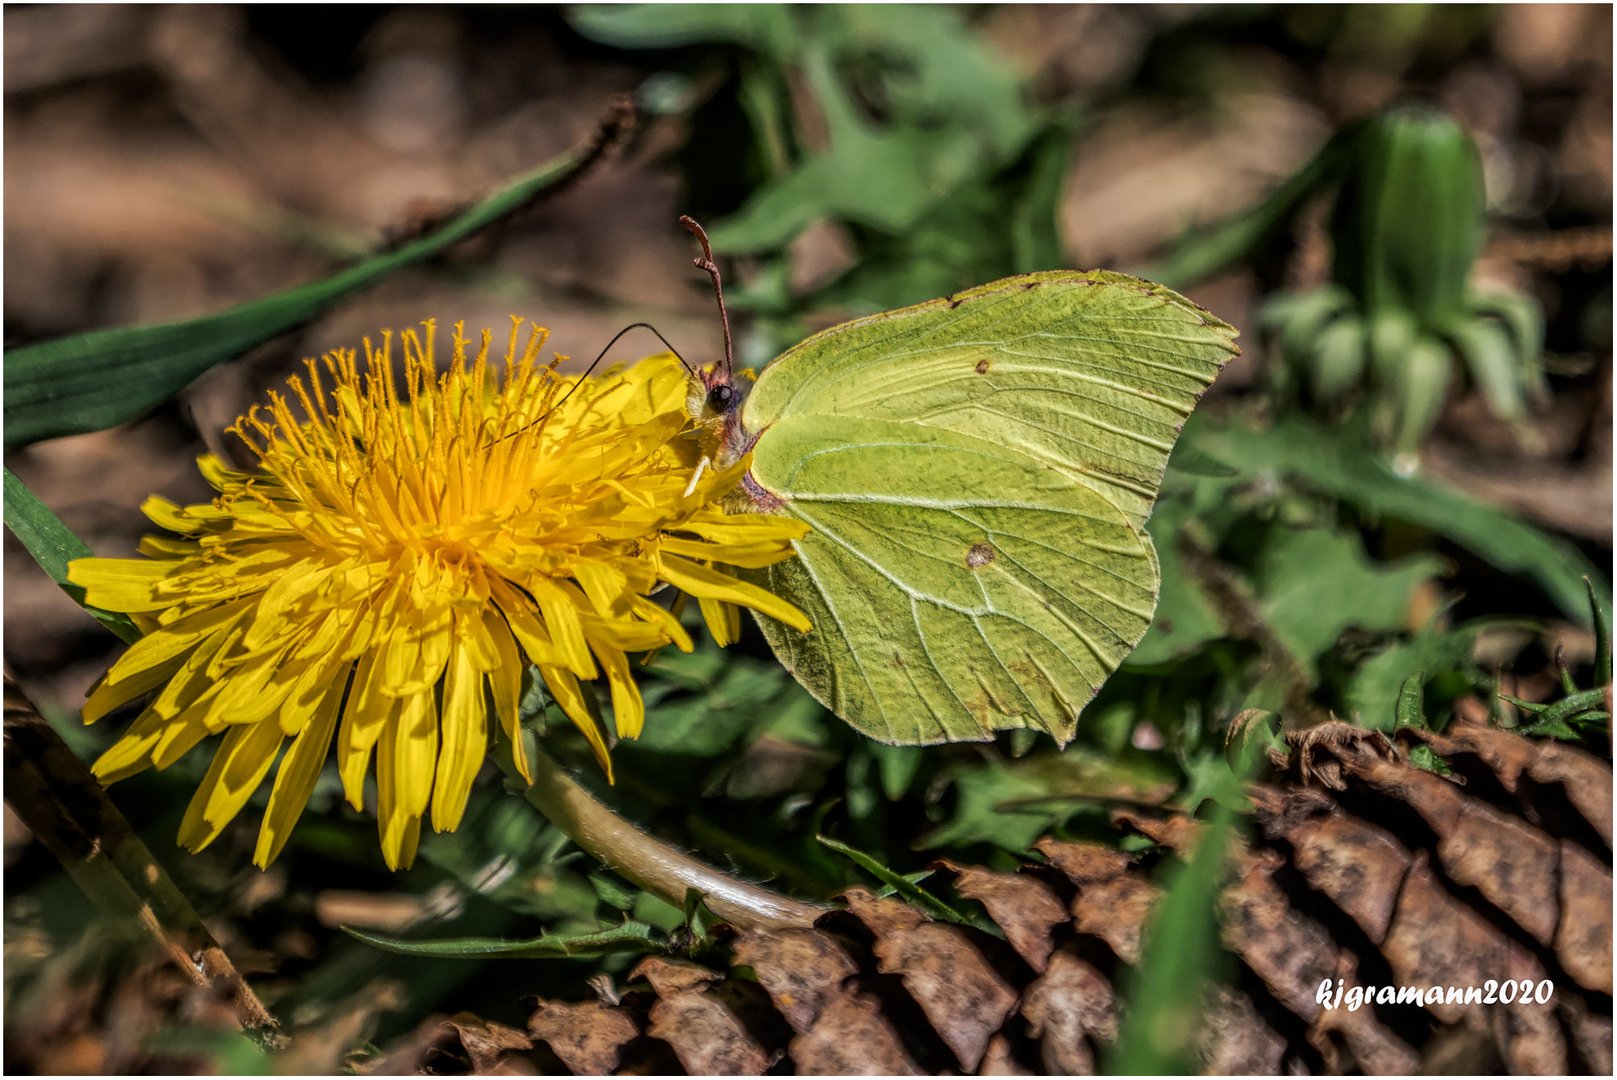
(701, 467)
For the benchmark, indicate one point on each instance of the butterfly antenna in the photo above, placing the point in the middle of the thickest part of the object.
(707, 264)
(596, 362)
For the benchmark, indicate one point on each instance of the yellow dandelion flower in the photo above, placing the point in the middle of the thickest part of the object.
(395, 561)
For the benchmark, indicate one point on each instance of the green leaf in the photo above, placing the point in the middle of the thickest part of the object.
(1185, 619)
(732, 700)
(1424, 757)
(1315, 584)
(898, 766)
(900, 884)
(952, 112)
(1180, 960)
(96, 380)
(1495, 366)
(1341, 467)
(1373, 695)
(1010, 805)
(768, 28)
(631, 937)
(53, 545)
(507, 855)
(1524, 319)
(1411, 709)
(1602, 635)
(1571, 705)
(982, 813)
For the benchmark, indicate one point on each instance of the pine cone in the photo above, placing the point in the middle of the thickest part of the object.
(1358, 866)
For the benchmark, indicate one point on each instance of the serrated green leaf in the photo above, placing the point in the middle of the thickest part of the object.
(1010, 805)
(1549, 729)
(1571, 705)
(1373, 693)
(631, 937)
(92, 381)
(1316, 583)
(900, 884)
(1411, 708)
(53, 545)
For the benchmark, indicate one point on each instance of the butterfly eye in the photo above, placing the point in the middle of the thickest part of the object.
(721, 397)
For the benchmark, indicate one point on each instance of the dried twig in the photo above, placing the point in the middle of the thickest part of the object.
(66, 809)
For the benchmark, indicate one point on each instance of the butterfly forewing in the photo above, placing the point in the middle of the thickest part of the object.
(1091, 373)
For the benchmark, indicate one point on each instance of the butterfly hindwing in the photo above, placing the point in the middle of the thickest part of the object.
(956, 588)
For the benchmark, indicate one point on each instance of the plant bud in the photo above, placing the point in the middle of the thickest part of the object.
(1409, 215)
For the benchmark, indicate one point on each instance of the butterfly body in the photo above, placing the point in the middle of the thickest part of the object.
(977, 472)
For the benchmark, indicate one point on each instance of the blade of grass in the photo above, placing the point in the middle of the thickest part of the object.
(1181, 960)
(92, 381)
(1602, 635)
(53, 545)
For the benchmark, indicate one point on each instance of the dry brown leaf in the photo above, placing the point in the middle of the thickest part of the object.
(1583, 938)
(1021, 905)
(963, 997)
(588, 1036)
(1585, 778)
(802, 970)
(852, 1038)
(1111, 903)
(1069, 1009)
(702, 1019)
(998, 1060)
(1359, 866)
(486, 1042)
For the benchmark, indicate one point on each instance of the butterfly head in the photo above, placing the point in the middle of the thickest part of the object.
(714, 404)
(716, 394)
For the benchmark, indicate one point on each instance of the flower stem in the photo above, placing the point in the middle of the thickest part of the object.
(652, 864)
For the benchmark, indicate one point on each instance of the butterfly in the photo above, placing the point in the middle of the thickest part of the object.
(977, 472)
